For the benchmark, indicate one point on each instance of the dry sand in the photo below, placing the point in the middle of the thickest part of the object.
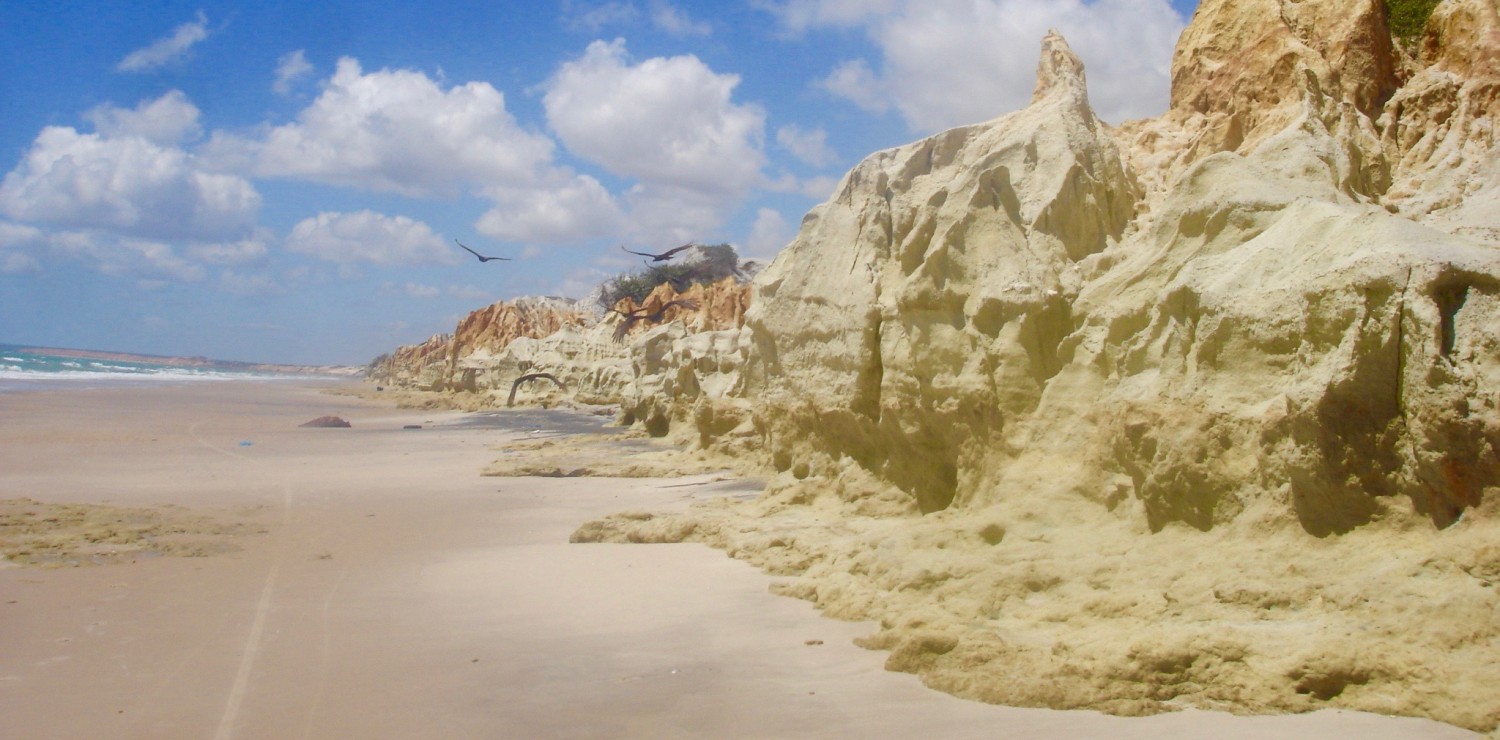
(369, 582)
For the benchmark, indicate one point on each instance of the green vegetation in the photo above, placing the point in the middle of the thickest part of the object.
(637, 285)
(1407, 18)
(633, 285)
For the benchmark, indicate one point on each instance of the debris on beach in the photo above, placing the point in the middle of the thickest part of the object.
(326, 422)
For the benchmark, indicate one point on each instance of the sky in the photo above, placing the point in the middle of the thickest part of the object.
(285, 182)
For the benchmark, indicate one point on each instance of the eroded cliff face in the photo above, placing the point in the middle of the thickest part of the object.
(491, 348)
(1200, 409)
(921, 308)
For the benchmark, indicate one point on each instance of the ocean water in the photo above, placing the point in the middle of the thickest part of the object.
(21, 371)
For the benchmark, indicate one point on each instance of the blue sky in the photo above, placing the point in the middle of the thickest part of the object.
(283, 182)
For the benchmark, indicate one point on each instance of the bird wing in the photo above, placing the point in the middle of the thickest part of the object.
(622, 327)
(482, 258)
(667, 254)
(632, 251)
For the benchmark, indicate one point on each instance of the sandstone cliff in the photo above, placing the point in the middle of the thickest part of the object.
(443, 361)
(476, 365)
(1201, 409)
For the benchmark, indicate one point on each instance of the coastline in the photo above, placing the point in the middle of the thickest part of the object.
(377, 585)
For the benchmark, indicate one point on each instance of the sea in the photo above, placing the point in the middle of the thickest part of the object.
(31, 369)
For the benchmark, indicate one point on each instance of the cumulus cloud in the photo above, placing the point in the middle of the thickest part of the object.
(667, 216)
(673, 20)
(14, 262)
(411, 290)
(153, 262)
(167, 49)
(768, 234)
(470, 293)
(127, 183)
(854, 81)
(397, 131)
(572, 209)
(809, 146)
(664, 121)
(16, 243)
(290, 67)
(366, 236)
(236, 253)
(249, 284)
(594, 17)
(168, 120)
(944, 63)
(818, 188)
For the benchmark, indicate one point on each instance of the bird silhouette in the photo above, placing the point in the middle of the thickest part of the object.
(660, 257)
(529, 377)
(640, 314)
(481, 257)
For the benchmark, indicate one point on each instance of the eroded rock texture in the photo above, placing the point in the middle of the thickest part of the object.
(1198, 409)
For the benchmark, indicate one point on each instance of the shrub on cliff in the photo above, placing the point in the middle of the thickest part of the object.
(682, 275)
(1407, 18)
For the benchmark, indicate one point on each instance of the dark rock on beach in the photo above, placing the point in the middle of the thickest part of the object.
(326, 421)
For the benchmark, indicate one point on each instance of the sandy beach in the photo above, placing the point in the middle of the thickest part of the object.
(369, 582)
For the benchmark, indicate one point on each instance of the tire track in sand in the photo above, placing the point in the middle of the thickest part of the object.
(251, 651)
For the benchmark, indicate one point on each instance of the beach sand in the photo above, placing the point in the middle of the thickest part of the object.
(369, 582)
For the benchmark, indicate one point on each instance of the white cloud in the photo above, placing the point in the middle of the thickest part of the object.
(673, 20)
(167, 49)
(236, 253)
(396, 131)
(162, 259)
(667, 215)
(14, 262)
(949, 62)
(591, 18)
(18, 235)
(470, 293)
(366, 236)
(125, 184)
(16, 243)
(854, 81)
(249, 284)
(575, 208)
(664, 121)
(411, 290)
(798, 16)
(291, 67)
(582, 280)
(168, 120)
(151, 261)
(809, 146)
(819, 188)
(768, 234)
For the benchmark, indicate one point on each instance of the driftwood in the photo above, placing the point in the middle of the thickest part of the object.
(530, 376)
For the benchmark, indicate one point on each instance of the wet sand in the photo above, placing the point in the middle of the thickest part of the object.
(372, 584)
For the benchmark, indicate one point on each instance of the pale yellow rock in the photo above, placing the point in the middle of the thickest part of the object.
(1198, 411)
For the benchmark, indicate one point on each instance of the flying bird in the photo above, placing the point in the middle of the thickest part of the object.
(640, 314)
(529, 377)
(481, 257)
(664, 256)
